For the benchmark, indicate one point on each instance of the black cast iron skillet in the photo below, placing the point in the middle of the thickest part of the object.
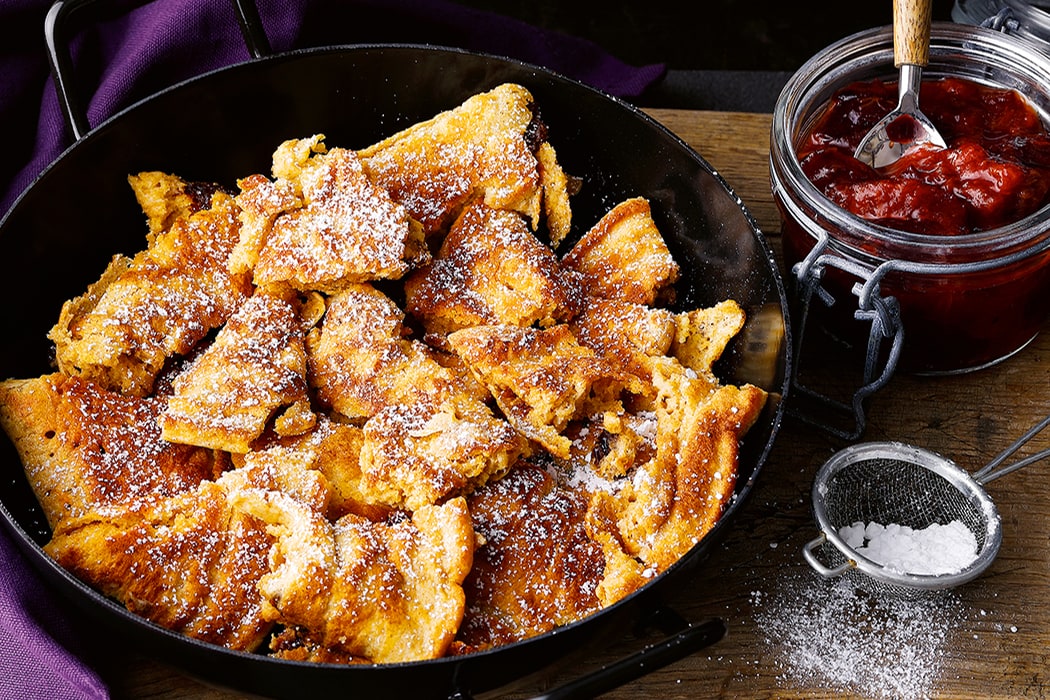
(59, 235)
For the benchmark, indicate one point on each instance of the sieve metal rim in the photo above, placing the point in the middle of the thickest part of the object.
(918, 456)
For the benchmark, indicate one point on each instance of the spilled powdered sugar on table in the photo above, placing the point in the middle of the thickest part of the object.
(843, 637)
(838, 635)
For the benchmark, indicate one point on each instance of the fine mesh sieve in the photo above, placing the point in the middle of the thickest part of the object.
(891, 482)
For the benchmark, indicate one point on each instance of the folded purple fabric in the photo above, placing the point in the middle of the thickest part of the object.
(41, 653)
(124, 58)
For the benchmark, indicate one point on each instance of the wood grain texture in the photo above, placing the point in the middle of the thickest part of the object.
(988, 639)
(911, 31)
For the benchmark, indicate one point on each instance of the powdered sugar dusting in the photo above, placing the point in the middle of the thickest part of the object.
(832, 634)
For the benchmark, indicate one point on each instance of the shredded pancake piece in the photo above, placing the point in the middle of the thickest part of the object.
(541, 379)
(386, 592)
(557, 188)
(537, 569)
(481, 147)
(491, 270)
(328, 227)
(669, 503)
(84, 447)
(624, 256)
(256, 366)
(627, 334)
(701, 335)
(360, 363)
(156, 305)
(190, 563)
(416, 454)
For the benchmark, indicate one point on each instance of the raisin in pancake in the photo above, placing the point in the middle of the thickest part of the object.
(164, 197)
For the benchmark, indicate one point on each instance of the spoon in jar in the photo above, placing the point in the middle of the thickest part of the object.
(906, 127)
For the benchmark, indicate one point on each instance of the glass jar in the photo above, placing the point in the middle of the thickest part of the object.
(939, 304)
(1030, 20)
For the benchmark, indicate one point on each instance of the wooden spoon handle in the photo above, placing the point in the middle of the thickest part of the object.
(911, 32)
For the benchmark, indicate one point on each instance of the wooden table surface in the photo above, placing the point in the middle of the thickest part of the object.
(791, 633)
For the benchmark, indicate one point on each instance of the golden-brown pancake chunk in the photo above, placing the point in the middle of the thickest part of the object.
(418, 454)
(164, 198)
(302, 562)
(557, 188)
(678, 495)
(627, 334)
(338, 458)
(491, 269)
(256, 366)
(399, 594)
(384, 591)
(360, 362)
(329, 227)
(624, 256)
(284, 465)
(541, 379)
(261, 201)
(480, 147)
(156, 305)
(702, 334)
(85, 448)
(189, 563)
(537, 569)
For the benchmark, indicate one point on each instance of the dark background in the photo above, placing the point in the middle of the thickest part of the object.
(720, 54)
(708, 34)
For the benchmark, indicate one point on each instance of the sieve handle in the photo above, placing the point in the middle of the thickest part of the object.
(993, 470)
(808, 553)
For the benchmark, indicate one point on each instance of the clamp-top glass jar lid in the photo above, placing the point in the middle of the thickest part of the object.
(946, 303)
(1030, 20)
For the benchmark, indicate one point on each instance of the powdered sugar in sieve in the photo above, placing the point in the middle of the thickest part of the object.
(908, 517)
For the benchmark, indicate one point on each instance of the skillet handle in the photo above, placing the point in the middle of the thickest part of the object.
(58, 34)
(678, 646)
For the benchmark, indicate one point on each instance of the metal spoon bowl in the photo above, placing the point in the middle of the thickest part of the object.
(905, 128)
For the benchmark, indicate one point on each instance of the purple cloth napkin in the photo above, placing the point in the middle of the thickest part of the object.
(41, 653)
(127, 57)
